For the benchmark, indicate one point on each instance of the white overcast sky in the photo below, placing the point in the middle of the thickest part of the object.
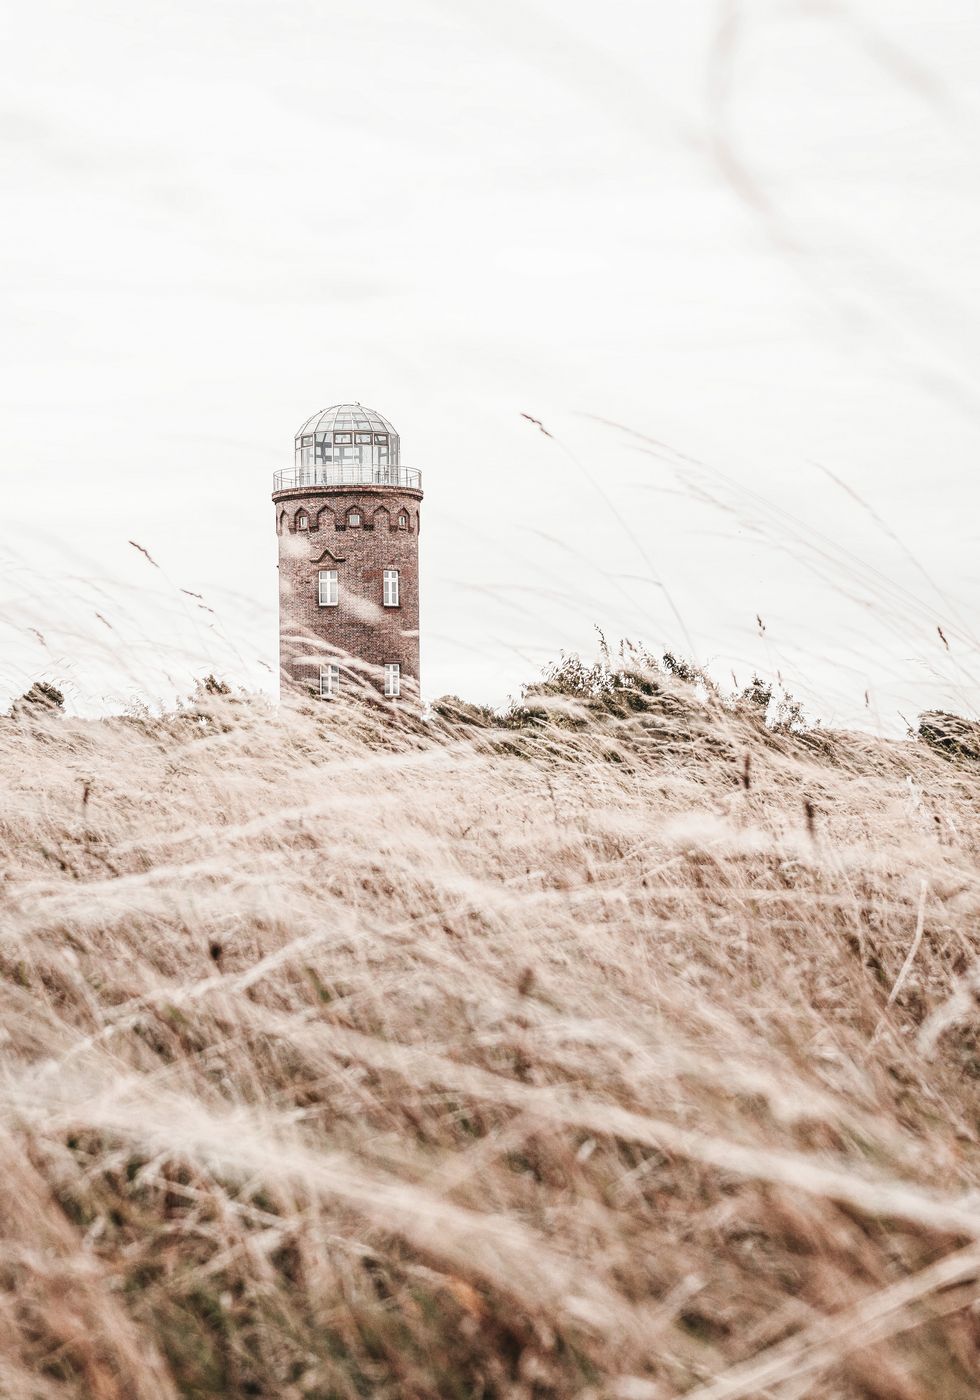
(746, 232)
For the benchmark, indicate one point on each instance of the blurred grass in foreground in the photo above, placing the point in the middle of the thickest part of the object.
(624, 1046)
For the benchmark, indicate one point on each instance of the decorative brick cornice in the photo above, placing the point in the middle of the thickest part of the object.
(297, 493)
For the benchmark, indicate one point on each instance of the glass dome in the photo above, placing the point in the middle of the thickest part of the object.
(349, 434)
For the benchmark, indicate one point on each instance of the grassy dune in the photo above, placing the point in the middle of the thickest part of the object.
(627, 1050)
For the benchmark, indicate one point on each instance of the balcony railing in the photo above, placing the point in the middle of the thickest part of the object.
(347, 474)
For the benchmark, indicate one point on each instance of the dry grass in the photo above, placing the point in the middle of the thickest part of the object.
(451, 1061)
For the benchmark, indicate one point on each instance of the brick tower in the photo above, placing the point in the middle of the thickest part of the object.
(347, 517)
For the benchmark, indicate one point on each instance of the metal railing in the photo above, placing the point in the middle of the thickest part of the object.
(347, 474)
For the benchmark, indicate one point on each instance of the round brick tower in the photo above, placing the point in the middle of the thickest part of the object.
(347, 517)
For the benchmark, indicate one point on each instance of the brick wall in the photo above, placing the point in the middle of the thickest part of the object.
(359, 626)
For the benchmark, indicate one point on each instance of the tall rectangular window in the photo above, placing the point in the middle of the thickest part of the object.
(330, 681)
(328, 590)
(393, 679)
(391, 588)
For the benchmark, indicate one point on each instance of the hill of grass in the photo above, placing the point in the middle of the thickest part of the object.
(623, 1048)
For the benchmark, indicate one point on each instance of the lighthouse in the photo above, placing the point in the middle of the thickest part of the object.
(347, 520)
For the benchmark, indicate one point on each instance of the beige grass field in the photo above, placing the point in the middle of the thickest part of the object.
(631, 1053)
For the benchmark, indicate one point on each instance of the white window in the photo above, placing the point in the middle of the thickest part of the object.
(354, 518)
(391, 588)
(362, 437)
(403, 521)
(328, 589)
(393, 679)
(302, 521)
(330, 681)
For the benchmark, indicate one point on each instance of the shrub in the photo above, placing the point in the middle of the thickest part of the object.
(40, 699)
(950, 734)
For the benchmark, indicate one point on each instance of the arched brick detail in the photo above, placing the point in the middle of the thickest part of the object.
(325, 518)
(343, 517)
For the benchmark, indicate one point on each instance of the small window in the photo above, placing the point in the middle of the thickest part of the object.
(341, 437)
(328, 588)
(308, 440)
(391, 588)
(381, 437)
(393, 679)
(354, 518)
(362, 437)
(302, 521)
(330, 681)
(403, 521)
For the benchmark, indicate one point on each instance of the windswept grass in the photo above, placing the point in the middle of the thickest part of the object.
(629, 1051)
